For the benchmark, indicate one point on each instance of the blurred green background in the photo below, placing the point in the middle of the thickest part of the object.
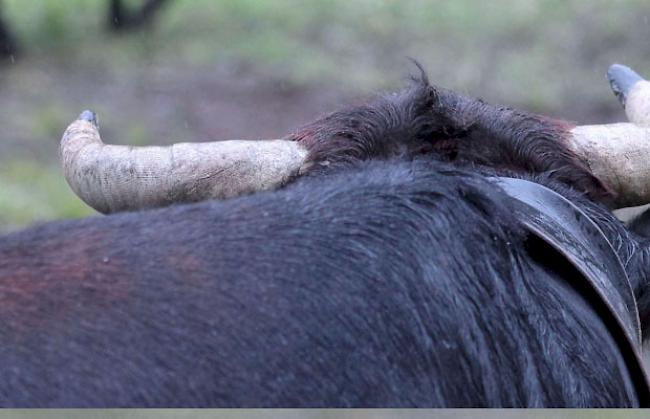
(217, 69)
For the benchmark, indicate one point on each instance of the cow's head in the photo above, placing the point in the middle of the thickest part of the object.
(604, 161)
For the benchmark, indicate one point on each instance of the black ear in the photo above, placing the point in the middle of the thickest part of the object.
(642, 289)
(641, 224)
(640, 269)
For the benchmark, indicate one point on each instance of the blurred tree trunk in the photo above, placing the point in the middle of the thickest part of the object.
(120, 19)
(8, 47)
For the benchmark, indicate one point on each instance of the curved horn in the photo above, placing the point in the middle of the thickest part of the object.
(113, 178)
(619, 154)
(632, 91)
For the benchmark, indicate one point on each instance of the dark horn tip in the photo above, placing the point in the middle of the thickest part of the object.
(89, 116)
(621, 79)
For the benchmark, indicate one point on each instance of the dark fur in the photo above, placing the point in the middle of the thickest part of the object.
(424, 119)
(641, 224)
(403, 282)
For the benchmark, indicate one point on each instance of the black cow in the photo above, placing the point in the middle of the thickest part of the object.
(395, 275)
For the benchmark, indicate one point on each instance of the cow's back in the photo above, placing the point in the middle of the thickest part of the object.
(399, 285)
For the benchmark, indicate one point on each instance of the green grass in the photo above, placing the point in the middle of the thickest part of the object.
(31, 192)
(340, 40)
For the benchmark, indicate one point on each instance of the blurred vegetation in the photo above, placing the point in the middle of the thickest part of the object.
(210, 69)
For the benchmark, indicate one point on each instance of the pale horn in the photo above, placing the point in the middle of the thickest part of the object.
(632, 91)
(619, 154)
(113, 178)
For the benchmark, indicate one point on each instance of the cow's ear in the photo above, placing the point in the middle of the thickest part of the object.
(638, 268)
